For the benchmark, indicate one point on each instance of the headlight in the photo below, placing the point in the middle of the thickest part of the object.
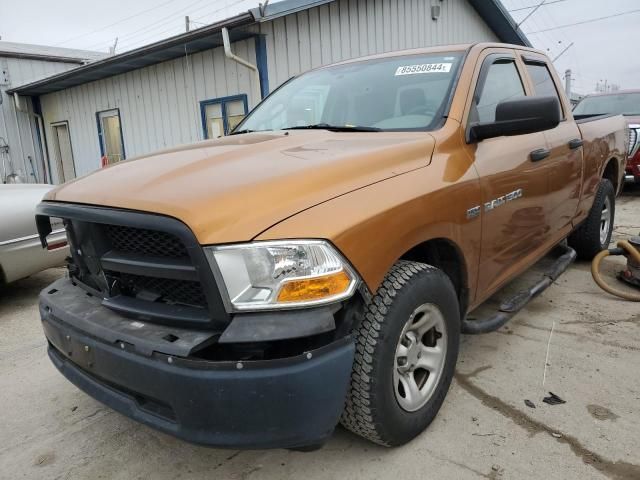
(282, 274)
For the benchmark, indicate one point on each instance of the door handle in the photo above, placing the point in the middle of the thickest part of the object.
(540, 154)
(575, 143)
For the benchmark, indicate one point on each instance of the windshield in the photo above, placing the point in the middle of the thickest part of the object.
(396, 93)
(619, 104)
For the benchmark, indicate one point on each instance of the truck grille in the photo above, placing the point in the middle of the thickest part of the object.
(167, 290)
(139, 245)
(143, 265)
(145, 242)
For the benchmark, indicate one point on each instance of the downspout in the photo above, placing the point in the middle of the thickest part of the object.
(38, 117)
(242, 61)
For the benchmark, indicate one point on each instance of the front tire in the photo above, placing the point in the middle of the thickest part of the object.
(406, 352)
(594, 234)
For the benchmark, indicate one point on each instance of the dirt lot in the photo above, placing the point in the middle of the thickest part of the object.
(49, 429)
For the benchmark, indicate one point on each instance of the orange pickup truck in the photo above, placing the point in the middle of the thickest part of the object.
(320, 264)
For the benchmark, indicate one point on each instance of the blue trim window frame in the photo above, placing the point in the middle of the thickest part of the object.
(104, 113)
(222, 101)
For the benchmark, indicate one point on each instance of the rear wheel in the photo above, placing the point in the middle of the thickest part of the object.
(406, 351)
(595, 232)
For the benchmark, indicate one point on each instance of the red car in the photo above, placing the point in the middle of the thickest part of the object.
(625, 103)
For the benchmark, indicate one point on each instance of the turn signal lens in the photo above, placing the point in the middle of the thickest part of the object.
(304, 290)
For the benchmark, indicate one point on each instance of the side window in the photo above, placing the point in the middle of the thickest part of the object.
(221, 115)
(543, 84)
(502, 82)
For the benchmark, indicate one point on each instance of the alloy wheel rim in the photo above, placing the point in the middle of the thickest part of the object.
(420, 357)
(605, 221)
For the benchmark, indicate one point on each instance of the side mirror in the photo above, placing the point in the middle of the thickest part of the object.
(518, 117)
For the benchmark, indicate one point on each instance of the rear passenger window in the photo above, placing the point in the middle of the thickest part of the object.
(501, 83)
(543, 84)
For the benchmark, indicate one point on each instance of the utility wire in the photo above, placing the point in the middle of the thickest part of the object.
(562, 52)
(144, 35)
(130, 42)
(534, 6)
(229, 5)
(556, 41)
(163, 21)
(115, 23)
(585, 21)
(535, 9)
(537, 22)
(156, 36)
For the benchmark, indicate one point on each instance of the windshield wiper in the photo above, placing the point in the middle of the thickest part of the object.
(334, 128)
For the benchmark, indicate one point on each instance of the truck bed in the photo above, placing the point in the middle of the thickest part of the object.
(603, 137)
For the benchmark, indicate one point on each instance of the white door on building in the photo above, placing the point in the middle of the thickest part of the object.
(110, 133)
(63, 152)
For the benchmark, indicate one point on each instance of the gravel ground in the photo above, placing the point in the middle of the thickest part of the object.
(49, 429)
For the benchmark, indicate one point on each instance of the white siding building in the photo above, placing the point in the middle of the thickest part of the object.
(21, 154)
(184, 89)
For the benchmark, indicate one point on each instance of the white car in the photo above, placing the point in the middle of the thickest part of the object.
(21, 253)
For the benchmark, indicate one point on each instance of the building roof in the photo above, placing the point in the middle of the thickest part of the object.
(47, 53)
(491, 11)
(500, 21)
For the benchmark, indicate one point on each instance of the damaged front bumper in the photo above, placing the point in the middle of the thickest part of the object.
(146, 372)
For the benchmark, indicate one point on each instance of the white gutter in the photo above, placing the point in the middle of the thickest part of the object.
(242, 61)
(38, 117)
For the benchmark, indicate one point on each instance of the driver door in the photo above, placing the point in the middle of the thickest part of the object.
(514, 185)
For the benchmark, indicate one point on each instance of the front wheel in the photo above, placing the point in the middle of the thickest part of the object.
(594, 234)
(406, 352)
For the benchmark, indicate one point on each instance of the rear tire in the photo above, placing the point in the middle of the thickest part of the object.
(594, 234)
(409, 336)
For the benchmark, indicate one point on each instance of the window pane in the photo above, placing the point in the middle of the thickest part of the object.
(235, 107)
(215, 125)
(214, 110)
(542, 82)
(233, 121)
(235, 113)
(215, 128)
(112, 138)
(502, 83)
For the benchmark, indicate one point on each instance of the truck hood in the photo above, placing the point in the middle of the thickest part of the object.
(232, 189)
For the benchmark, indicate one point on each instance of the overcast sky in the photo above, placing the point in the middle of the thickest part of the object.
(602, 50)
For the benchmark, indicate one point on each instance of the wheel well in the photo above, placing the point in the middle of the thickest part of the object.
(611, 173)
(446, 256)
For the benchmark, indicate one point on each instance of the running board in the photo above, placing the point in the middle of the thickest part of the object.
(496, 312)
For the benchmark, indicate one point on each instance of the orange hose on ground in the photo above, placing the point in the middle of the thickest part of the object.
(595, 271)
